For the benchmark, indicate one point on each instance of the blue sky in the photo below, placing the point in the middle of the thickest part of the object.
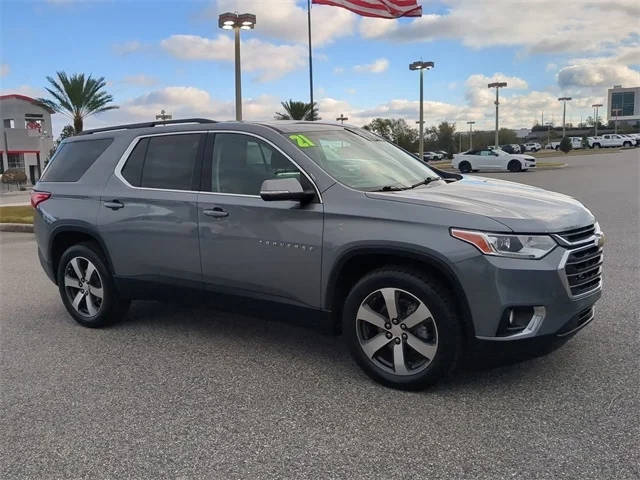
(171, 54)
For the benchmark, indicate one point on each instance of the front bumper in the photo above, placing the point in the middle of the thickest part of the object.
(496, 285)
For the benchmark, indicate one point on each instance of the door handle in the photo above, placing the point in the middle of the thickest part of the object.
(215, 212)
(114, 204)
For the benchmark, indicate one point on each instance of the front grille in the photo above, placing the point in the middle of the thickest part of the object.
(576, 322)
(583, 269)
(578, 234)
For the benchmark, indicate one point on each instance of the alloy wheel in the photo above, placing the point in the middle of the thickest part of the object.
(83, 286)
(396, 331)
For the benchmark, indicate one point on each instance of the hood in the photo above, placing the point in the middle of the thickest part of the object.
(522, 208)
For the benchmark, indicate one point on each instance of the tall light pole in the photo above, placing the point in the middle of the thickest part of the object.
(422, 66)
(595, 115)
(497, 86)
(235, 22)
(342, 118)
(564, 101)
(549, 124)
(616, 113)
(163, 116)
(470, 134)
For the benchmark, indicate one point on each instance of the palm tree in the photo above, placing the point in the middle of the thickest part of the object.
(78, 97)
(298, 111)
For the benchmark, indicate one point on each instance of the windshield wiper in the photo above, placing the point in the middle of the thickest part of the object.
(390, 188)
(426, 181)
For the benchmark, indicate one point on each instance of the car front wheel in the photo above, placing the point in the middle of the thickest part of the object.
(87, 287)
(464, 167)
(402, 328)
(514, 166)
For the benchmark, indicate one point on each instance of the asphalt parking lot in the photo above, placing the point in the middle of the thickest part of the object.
(179, 392)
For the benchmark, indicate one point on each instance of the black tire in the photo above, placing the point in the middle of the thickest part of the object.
(514, 166)
(596, 145)
(626, 145)
(557, 147)
(464, 167)
(441, 305)
(111, 308)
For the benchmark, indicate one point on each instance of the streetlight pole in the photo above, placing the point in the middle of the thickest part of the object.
(595, 115)
(616, 113)
(549, 124)
(470, 134)
(163, 116)
(564, 101)
(497, 86)
(235, 22)
(342, 118)
(420, 65)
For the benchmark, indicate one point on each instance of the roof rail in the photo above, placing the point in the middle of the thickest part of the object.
(131, 126)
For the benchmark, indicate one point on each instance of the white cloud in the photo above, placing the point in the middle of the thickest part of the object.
(546, 26)
(378, 66)
(478, 94)
(26, 90)
(338, 70)
(269, 61)
(141, 80)
(4, 70)
(126, 48)
(351, 91)
(287, 19)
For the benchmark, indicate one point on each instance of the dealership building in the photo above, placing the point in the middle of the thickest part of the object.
(25, 135)
(624, 104)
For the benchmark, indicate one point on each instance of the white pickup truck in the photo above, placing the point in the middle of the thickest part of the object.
(609, 140)
(576, 142)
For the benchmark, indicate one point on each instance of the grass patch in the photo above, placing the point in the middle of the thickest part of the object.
(19, 214)
(573, 153)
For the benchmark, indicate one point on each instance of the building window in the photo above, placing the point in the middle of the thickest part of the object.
(622, 104)
(9, 123)
(15, 160)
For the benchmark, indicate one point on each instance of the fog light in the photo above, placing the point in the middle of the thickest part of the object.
(514, 320)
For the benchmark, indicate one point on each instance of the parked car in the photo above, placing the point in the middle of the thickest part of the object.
(576, 144)
(510, 148)
(609, 140)
(329, 223)
(633, 137)
(532, 147)
(443, 155)
(495, 159)
(430, 156)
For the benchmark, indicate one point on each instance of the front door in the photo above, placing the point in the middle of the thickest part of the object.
(269, 250)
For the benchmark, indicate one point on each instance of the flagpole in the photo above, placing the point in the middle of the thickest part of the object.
(310, 58)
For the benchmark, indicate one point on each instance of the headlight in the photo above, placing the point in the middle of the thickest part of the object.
(507, 245)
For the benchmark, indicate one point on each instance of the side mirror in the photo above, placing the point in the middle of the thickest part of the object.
(278, 189)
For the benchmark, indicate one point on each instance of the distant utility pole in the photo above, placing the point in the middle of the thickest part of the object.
(164, 116)
(470, 134)
(497, 86)
(549, 124)
(595, 115)
(342, 118)
(564, 112)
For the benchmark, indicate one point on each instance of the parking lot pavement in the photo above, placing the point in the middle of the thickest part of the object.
(179, 392)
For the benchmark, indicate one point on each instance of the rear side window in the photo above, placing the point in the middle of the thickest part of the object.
(74, 159)
(167, 161)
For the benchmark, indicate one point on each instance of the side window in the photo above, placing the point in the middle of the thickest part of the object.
(241, 163)
(73, 159)
(167, 161)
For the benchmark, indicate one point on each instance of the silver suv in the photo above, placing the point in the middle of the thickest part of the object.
(414, 266)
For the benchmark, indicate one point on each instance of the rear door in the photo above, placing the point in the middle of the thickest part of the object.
(148, 216)
(270, 250)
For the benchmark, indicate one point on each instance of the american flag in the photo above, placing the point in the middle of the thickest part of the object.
(378, 8)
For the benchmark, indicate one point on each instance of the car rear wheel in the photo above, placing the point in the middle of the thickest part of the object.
(464, 167)
(596, 145)
(626, 144)
(514, 166)
(402, 328)
(87, 287)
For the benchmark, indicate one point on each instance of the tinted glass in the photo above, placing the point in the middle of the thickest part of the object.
(73, 159)
(241, 163)
(170, 162)
(132, 170)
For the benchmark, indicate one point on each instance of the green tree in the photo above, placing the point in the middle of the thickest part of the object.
(442, 137)
(565, 145)
(294, 110)
(396, 130)
(78, 97)
(67, 131)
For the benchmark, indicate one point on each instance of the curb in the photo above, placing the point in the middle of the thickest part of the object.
(16, 227)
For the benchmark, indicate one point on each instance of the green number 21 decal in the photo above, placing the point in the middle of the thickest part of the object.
(302, 141)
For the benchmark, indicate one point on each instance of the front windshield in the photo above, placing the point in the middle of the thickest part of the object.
(362, 160)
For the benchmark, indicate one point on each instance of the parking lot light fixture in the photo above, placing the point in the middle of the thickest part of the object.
(235, 22)
(616, 113)
(497, 86)
(595, 116)
(549, 125)
(470, 123)
(421, 66)
(564, 113)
